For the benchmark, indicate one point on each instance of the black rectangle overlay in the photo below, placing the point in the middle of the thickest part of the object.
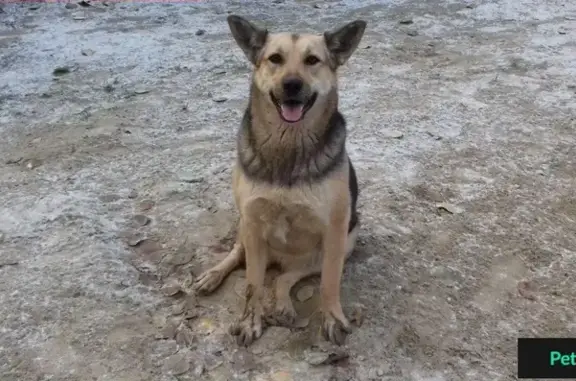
(547, 358)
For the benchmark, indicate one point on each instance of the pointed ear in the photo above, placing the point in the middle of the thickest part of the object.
(248, 36)
(342, 42)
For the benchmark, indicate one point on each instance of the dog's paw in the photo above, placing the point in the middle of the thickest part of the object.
(248, 329)
(208, 281)
(335, 327)
(284, 314)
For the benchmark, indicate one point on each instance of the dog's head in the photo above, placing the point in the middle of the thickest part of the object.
(296, 72)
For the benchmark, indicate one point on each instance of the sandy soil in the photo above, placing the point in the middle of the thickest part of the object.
(118, 124)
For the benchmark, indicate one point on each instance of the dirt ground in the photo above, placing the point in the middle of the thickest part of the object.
(117, 131)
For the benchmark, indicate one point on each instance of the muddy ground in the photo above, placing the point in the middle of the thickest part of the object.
(117, 131)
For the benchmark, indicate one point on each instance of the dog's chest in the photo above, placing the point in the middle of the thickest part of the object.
(291, 220)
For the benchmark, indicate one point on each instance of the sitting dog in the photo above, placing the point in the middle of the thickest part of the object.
(294, 185)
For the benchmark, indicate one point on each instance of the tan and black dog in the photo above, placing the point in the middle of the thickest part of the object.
(294, 185)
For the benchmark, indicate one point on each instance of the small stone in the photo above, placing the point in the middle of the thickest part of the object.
(200, 32)
(395, 134)
(180, 258)
(219, 71)
(141, 219)
(412, 33)
(2, 237)
(301, 323)
(184, 336)
(71, 6)
(33, 163)
(379, 372)
(84, 3)
(189, 177)
(135, 240)
(141, 90)
(176, 365)
(452, 209)
(168, 332)
(178, 309)
(133, 194)
(324, 358)
(305, 293)
(87, 52)
(79, 16)
(198, 370)
(170, 289)
(146, 205)
(219, 99)
(406, 21)
(562, 31)
(61, 71)
(316, 358)
(34, 7)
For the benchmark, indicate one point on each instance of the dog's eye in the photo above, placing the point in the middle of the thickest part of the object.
(311, 60)
(275, 59)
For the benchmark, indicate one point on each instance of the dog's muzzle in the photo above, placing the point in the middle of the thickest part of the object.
(294, 100)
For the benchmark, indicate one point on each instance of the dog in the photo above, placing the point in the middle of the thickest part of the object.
(294, 184)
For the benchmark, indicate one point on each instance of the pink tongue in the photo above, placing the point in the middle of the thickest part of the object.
(292, 113)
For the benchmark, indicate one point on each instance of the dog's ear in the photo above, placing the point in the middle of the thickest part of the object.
(342, 42)
(248, 36)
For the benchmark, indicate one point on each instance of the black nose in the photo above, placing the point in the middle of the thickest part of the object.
(292, 86)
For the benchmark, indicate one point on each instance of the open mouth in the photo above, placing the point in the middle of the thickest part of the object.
(293, 110)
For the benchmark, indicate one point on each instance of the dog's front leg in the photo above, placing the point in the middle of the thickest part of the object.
(335, 326)
(250, 325)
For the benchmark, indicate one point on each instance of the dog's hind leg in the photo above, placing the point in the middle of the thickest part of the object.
(208, 281)
(284, 313)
